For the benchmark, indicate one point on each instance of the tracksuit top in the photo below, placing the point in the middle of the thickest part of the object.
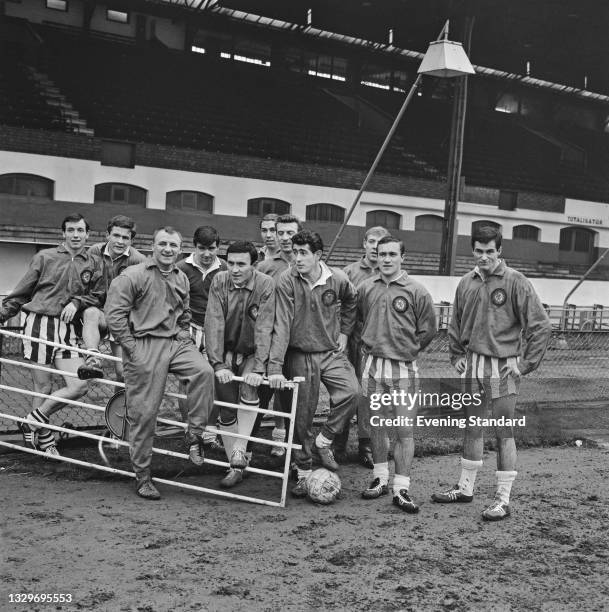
(359, 271)
(142, 302)
(113, 267)
(274, 266)
(311, 319)
(240, 320)
(490, 314)
(399, 319)
(199, 286)
(54, 279)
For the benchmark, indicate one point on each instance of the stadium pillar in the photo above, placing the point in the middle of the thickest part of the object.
(448, 248)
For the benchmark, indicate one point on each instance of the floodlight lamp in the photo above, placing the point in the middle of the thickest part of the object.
(446, 58)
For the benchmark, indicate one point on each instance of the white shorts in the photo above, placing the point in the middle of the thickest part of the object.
(48, 328)
(198, 337)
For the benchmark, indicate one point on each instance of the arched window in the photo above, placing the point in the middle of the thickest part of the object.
(29, 185)
(325, 212)
(386, 218)
(120, 193)
(578, 239)
(485, 223)
(428, 223)
(525, 232)
(258, 207)
(189, 201)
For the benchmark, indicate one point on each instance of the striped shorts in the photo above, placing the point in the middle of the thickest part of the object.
(198, 337)
(483, 374)
(48, 328)
(381, 375)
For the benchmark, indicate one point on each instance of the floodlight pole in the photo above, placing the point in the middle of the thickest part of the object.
(379, 155)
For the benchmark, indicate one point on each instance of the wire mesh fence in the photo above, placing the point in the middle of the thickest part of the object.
(575, 370)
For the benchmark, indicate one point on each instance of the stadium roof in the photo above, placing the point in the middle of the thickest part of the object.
(561, 41)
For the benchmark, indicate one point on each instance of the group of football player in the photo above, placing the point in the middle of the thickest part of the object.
(268, 316)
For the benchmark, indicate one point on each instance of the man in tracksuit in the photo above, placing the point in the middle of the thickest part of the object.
(314, 315)
(358, 271)
(116, 254)
(274, 264)
(398, 322)
(147, 311)
(59, 284)
(238, 327)
(494, 307)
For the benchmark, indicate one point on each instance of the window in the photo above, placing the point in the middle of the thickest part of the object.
(508, 200)
(485, 223)
(386, 218)
(525, 232)
(428, 223)
(29, 185)
(189, 201)
(577, 239)
(258, 207)
(118, 16)
(57, 5)
(120, 193)
(325, 212)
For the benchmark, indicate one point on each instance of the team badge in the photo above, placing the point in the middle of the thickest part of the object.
(400, 304)
(328, 297)
(85, 277)
(252, 311)
(498, 297)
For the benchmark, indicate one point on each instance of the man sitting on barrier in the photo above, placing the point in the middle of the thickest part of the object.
(314, 314)
(59, 283)
(116, 254)
(238, 327)
(147, 311)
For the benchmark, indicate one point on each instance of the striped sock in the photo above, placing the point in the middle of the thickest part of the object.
(37, 415)
(46, 438)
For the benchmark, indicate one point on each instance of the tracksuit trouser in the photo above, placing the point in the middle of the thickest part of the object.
(332, 368)
(145, 378)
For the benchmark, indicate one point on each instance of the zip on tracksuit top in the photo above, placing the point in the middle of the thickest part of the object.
(143, 302)
(311, 319)
(399, 318)
(489, 315)
(54, 279)
(240, 320)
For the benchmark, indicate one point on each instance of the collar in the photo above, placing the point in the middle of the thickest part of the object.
(125, 254)
(498, 271)
(62, 249)
(150, 263)
(191, 260)
(249, 286)
(364, 265)
(326, 273)
(402, 279)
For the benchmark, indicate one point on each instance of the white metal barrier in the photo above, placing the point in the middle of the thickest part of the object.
(289, 445)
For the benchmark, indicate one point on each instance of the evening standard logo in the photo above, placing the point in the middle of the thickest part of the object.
(400, 304)
(499, 297)
(328, 297)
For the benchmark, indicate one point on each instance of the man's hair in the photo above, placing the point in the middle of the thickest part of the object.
(390, 238)
(313, 239)
(73, 218)
(122, 221)
(379, 230)
(485, 233)
(206, 235)
(288, 219)
(169, 230)
(270, 217)
(243, 246)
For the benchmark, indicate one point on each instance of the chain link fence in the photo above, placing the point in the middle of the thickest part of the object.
(575, 371)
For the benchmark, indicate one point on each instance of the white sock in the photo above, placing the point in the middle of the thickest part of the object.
(303, 473)
(469, 469)
(381, 471)
(245, 423)
(504, 485)
(208, 437)
(228, 441)
(322, 442)
(400, 482)
(278, 435)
